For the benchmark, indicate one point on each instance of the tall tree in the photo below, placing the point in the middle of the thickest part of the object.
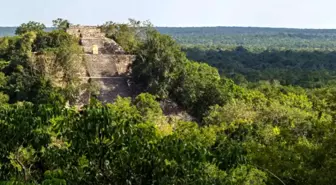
(30, 26)
(158, 63)
(61, 24)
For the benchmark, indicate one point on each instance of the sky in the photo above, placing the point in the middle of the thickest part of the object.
(260, 13)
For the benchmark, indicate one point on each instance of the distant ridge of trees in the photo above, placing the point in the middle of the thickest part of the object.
(252, 37)
(10, 31)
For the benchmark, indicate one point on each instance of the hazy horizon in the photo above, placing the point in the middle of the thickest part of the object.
(50, 27)
(308, 14)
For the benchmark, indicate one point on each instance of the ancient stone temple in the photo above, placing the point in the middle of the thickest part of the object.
(107, 64)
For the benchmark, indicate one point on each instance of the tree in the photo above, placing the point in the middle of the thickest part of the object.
(197, 87)
(158, 63)
(148, 106)
(61, 24)
(128, 35)
(30, 26)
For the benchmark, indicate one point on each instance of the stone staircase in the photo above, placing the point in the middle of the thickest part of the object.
(109, 68)
(105, 46)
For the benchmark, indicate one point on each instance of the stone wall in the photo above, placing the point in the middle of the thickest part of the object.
(105, 46)
(108, 65)
(85, 31)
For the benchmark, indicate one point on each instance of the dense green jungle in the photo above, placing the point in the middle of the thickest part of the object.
(262, 101)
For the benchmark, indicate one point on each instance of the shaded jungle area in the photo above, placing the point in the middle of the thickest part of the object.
(306, 68)
(263, 132)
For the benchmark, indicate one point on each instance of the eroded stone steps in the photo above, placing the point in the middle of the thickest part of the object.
(108, 65)
(111, 88)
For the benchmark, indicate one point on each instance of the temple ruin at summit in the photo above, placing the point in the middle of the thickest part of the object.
(107, 64)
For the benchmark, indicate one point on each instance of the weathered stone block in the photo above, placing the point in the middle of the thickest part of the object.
(95, 50)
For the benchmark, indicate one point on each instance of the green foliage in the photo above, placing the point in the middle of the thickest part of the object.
(51, 40)
(307, 68)
(252, 37)
(255, 133)
(61, 24)
(247, 175)
(148, 106)
(198, 87)
(158, 63)
(127, 35)
(120, 145)
(291, 56)
(30, 27)
(36, 62)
